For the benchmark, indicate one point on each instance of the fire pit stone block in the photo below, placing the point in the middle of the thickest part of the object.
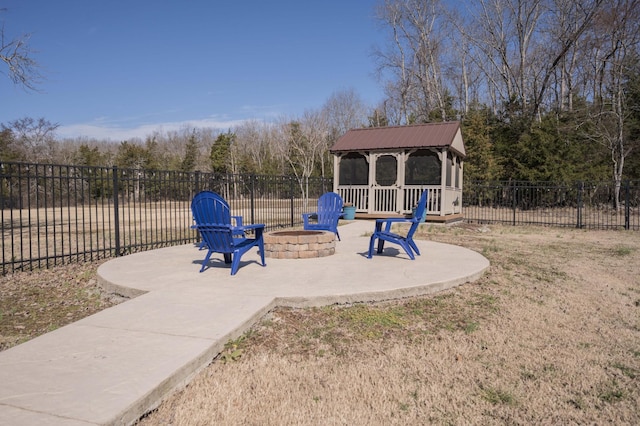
(299, 244)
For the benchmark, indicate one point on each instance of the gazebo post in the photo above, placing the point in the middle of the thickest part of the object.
(443, 179)
(402, 162)
(459, 210)
(336, 172)
(372, 177)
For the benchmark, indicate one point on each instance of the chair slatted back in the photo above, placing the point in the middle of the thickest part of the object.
(329, 208)
(212, 214)
(209, 207)
(420, 208)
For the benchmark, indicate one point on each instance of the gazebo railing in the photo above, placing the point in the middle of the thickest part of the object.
(402, 199)
(358, 195)
(411, 195)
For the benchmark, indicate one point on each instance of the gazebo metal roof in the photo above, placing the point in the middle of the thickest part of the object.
(432, 135)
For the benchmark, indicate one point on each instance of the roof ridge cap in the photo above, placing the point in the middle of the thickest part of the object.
(408, 125)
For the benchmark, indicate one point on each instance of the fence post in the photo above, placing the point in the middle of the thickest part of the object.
(116, 212)
(291, 198)
(627, 211)
(580, 189)
(513, 195)
(253, 198)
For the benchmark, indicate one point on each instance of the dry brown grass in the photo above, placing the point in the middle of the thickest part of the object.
(550, 335)
(37, 302)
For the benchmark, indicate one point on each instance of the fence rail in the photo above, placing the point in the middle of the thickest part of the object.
(57, 214)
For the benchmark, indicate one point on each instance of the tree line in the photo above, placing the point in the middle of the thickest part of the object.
(298, 146)
(545, 90)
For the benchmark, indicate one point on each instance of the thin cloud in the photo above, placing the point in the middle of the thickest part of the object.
(101, 131)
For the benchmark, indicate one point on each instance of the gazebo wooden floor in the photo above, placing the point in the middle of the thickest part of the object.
(451, 218)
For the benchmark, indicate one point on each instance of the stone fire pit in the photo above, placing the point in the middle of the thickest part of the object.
(299, 244)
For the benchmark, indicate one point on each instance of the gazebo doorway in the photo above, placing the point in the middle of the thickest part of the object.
(385, 182)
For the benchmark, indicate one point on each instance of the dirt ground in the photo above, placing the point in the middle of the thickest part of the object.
(549, 335)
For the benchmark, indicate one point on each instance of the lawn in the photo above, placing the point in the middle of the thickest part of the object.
(549, 335)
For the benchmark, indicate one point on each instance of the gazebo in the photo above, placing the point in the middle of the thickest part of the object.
(383, 170)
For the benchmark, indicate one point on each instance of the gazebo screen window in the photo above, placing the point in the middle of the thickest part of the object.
(422, 168)
(354, 169)
(386, 170)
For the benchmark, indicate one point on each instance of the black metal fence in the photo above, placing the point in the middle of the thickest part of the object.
(588, 205)
(57, 214)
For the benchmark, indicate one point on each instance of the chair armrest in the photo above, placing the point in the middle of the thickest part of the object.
(389, 221)
(307, 216)
(257, 227)
(238, 220)
(254, 226)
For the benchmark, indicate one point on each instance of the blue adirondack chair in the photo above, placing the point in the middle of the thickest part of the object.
(206, 216)
(213, 221)
(383, 234)
(327, 216)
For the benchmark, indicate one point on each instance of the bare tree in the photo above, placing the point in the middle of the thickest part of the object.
(257, 141)
(414, 57)
(304, 142)
(17, 57)
(578, 14)
(615, 41)
(502, 33)
(344, 110)
(34, 139)
(521, 44)
(394, 60)
(463, 71)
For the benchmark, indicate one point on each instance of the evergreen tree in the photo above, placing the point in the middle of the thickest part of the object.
(480, 163)
(507, 148)
(221, 153)
(191, 152)
(86, 156)
(7, 147)
(152, 159)
(632, 124)
(131, 156)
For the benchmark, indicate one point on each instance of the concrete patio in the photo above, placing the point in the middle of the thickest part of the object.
(112, 367)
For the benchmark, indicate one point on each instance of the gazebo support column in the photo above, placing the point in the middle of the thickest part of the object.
(443, 180)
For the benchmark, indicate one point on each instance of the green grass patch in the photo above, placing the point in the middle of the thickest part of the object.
(370, 321)
(611, 392)
(491, 247)
(630, 372)
(498, 396)
(622, 251)
(471, 327)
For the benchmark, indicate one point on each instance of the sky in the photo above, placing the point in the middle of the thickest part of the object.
(122, 69)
